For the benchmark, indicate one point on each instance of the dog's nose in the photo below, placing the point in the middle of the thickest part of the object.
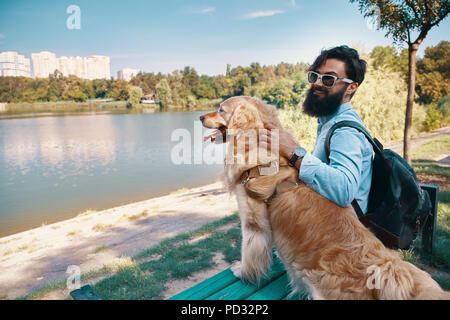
(202, 118)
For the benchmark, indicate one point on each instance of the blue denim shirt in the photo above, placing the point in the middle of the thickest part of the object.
(349, 174)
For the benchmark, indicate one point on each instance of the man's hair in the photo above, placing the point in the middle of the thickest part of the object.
(354, 66)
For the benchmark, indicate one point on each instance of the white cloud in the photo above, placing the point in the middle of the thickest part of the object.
(208, 10)
(2, 36)
(259, 14)
(293, 3)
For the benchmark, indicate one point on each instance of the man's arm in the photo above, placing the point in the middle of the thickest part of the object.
(338, 181)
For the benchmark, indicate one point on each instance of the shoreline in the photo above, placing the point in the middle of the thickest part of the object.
(40, 256)
(102, 105)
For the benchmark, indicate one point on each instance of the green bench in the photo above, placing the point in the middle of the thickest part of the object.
(225, 286)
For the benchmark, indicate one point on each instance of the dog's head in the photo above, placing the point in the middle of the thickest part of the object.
(239, 113)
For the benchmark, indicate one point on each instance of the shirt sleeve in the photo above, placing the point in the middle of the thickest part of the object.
(339, 180)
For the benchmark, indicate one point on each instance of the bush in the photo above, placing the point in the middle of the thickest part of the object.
(135, 94)
(433, 119)
(443, 106)
(79, 96)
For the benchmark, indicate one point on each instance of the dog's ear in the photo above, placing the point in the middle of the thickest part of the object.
(245, 117)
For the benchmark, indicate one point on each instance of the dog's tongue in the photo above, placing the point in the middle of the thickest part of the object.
(212, 135)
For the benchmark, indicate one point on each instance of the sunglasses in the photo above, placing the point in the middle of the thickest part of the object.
(328, 80)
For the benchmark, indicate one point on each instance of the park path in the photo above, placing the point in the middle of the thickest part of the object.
(397, 145)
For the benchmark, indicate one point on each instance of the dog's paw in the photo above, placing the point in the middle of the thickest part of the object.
(236, 268)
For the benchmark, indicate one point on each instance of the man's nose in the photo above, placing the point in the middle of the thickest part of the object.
(202, 118)
(318, 82)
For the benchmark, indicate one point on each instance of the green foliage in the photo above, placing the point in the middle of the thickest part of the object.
(444, 107)
(433, 73)
(163, 93)
(135, 94)
(386, 57)
(433, 119)
(380, 101)
(400, 18)
(383, 56)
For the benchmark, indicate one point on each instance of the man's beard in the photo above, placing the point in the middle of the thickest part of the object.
(317, 106)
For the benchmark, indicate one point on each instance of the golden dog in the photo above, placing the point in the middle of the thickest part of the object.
(324, 247)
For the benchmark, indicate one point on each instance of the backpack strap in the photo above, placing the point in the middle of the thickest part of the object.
(365, 219)
(377, 147)
(389, 238)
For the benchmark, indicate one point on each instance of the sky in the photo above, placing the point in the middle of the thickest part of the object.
(166, 35)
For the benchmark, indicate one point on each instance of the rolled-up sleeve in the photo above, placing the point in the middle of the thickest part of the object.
(339, 180)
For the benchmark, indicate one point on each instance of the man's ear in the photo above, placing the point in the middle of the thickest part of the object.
(245, 117)
(352, 88)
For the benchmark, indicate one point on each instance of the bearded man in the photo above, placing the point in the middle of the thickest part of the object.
(334, 76)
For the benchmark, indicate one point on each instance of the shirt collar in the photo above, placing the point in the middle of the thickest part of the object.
(342, 108)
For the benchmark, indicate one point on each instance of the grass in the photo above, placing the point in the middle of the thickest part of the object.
(100, 248)
(99, 227)
(65, 106)
(173, 258)
(145, 275)
(74, 232)
(132, 217)
(431, 172)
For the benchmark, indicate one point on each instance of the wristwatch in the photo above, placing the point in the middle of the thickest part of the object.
(299, 152)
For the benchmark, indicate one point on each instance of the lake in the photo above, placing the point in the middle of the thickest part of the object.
(53, 167)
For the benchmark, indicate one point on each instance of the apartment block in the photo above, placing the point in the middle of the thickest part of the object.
(14, 65)
(94, 67)
(44, 64)
(127, 74)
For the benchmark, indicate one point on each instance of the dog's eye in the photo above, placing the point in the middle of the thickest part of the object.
(220, 109)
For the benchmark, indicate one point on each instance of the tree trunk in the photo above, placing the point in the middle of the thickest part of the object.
(412, 51)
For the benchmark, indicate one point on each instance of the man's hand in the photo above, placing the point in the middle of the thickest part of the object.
(287, 143)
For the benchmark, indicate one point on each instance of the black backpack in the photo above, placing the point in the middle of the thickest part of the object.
(398, 207)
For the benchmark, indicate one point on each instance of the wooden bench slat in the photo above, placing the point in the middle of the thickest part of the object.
(240, 290)
(275, 290)
(208, 287)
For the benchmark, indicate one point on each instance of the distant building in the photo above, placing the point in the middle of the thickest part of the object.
(127, 74)
(44, 64)
(94, 67)
(98, 67)
(149, 99)
(14, 65)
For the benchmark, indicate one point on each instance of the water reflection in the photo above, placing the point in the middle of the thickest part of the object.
(54, 141)
(52, 168)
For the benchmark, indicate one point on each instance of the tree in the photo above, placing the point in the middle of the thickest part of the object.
(402, 20)
(163, 93)
(135, 94)
(384, 56)
(433, 73)
(120, 90)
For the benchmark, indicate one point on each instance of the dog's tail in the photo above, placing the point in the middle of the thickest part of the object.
(400, 280)
(433, 294)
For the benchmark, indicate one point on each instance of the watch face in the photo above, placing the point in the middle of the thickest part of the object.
(300, 152)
